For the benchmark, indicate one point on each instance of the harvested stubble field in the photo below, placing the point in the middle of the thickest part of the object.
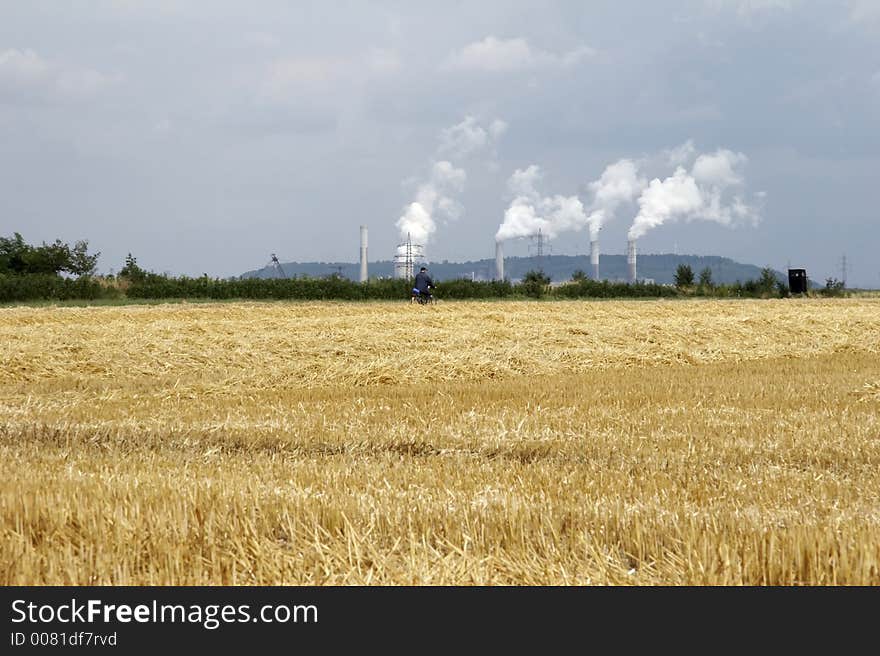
(698, 442)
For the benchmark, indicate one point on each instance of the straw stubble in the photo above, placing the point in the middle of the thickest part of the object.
(705, 442)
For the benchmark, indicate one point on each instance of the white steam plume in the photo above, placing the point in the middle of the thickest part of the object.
(711, 191)
(436, 197)
(432, 197)
(469, 137)
(674, 196)
(619, 184)
(530, 212)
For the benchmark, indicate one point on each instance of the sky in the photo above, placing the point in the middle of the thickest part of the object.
(203, 136)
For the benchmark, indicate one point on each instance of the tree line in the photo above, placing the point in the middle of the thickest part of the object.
(59, 271)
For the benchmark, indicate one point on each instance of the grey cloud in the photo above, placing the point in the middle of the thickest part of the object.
(208, 134)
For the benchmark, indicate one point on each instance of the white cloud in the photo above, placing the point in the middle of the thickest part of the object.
(497, 128)
(494, 55)
(25, 74)
(288, 77)
(24, 67)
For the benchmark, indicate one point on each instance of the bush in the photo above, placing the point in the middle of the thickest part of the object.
(833, 287)
(139, 284)
(49, 287)
(534, 284)
(605, 289)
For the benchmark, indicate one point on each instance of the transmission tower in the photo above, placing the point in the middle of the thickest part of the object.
(843, 269)
(538, 243)
(405, 258)
(276, 267)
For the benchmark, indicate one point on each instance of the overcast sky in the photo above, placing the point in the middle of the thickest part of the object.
(203, 136)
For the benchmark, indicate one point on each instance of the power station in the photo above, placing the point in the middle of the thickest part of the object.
(406, 257)
(409, 256)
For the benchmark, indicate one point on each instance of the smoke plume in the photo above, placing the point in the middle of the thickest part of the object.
(436, 197)
(711, 191)
(469, 137)
(619, 184)
(530, 212)
(433, 197)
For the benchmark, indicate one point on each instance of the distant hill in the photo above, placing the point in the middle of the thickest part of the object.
(660, 268)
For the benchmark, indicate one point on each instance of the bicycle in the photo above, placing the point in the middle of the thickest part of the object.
(422, 299)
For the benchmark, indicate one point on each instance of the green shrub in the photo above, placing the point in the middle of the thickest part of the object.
(49, 287)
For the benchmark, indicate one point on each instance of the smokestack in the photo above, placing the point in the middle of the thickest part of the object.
(631, 259)
(594, 257)
(363, 253)
(499, 261)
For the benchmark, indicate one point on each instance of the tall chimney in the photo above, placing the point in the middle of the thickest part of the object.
(594, 257)
(499, 261)
(363, 253)
(631, 259)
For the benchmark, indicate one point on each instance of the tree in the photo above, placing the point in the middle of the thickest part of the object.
(81, 263)
(50, 258)
(131, 269)
(684, 275)
(706, 278)
(578, 276)
(16, 256)
(534, 283)
(13, 254)
(767, 281)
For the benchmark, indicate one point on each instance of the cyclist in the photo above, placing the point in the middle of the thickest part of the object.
(422, 286)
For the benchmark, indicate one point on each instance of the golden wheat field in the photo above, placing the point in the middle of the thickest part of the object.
(575, 443)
